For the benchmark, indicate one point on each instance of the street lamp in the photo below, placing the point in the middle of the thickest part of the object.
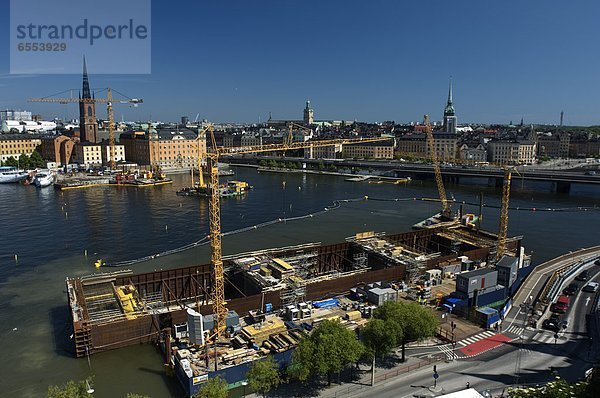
(89, 390)
(244, 383)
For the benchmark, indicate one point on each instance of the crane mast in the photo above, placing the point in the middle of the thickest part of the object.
(503, 227)
(111, 128)
(446, 209)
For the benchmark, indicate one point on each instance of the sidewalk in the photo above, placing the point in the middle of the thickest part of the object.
(360, 384)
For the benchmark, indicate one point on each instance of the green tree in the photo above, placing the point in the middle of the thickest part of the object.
(262, 163)
(215, 387)
(36, 160)
(24, 162)
(263, 375)
(558, 388)
(11, 161)
(380, 337)
(272, 163)
(329, 349)
(415, 321)
(72, 389)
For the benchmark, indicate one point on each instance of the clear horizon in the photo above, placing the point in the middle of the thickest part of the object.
(236, 62)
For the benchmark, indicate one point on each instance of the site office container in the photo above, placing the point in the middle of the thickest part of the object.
(562, 305)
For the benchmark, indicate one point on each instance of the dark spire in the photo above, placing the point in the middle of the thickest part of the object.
(86, 82)
(449, 110)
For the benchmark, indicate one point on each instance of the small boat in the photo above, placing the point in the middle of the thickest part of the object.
(10, 174)
(43, 178)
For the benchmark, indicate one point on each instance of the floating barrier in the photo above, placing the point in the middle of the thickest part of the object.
(335, 205)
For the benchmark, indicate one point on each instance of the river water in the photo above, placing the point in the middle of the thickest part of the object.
(50, 232)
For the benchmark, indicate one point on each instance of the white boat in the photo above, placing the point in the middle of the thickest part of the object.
(11, 174)
(43, 178)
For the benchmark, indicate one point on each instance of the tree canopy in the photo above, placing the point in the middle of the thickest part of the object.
(558, 388)
(72, 389)
(263, 375)
(328, 349)
(215, 387)
(414, 321)
(380, 337)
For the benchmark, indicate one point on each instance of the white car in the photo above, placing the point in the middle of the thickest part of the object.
(591, 287)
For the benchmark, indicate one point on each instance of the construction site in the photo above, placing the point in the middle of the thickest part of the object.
(118, 309)
(217, 318)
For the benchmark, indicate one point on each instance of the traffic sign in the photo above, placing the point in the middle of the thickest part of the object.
(435, 376)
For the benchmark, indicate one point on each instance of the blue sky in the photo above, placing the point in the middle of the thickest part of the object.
(364, 60)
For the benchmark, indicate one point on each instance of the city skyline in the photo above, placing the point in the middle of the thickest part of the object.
(361, 62)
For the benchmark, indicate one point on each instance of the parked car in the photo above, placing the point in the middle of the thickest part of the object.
(583, 275)
(591, 287)
(552, 323)
(597, 262)
(571, 289)
(561, 306)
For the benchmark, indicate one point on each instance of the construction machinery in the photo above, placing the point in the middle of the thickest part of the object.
(218, 291)
(503, 227)
(446, 207)
(109, 108)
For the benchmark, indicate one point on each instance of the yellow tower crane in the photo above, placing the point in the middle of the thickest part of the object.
(109, 110)
(218, 291)
(503, 227)
(446, 207)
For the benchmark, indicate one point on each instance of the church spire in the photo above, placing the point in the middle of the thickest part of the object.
(449, 110)
(86, 82)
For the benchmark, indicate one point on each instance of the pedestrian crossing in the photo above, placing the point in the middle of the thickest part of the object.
(547, 337)
(447, 350)
(516, 330)
(476, 338)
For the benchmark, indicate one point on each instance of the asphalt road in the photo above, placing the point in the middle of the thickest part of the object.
(530, 360)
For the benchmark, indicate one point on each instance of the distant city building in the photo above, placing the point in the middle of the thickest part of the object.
(58, 149)
(323, 152)
(15, 145)
(88, 154)
(167, 148)
(473, 152)
(11, 114)
(119, 154)
(308, 114)
(446, 146)
(88, 124)
(449, 114)
(369, 150)
(584, 145)
(512, 152)
(554, 146)
(412, 145)
(307, 119)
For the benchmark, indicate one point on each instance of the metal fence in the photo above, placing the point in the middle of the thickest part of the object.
(355, 388)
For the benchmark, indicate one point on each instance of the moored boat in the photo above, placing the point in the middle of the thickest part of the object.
(10, 174)
(43, 178)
